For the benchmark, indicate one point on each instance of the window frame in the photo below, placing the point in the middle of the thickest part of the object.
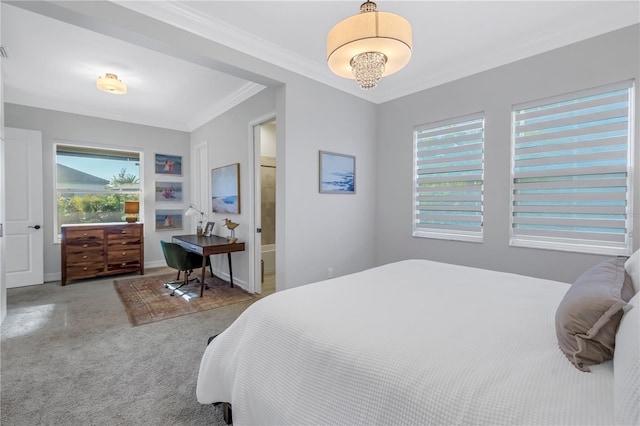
(93, 147)
(445, 233)
(578, 245)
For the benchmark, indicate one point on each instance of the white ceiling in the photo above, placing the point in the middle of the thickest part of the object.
(52, 64)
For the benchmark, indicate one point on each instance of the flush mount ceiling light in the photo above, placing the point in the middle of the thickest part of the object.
(369, 46)
(110, 84)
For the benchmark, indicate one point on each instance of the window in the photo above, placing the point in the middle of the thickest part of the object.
(448, 180)
(571, 187)
(92, 184)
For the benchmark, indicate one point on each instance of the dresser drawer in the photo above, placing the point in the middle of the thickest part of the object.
(84, 271)
(124, 231)
(86, 239)
(124, 254)
(74, 235)
(115, 241)
(123, 266)
(86, 256)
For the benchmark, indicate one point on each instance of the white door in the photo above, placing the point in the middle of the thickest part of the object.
(23, 208)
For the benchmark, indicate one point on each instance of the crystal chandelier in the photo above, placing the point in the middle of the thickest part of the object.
(368, 68)
(369, 46)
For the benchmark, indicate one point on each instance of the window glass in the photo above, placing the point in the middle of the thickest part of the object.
(92, 184)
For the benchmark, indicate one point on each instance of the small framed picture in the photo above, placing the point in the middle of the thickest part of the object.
(337, 173)
(169, 164)
(168, 219)
(208, 230)
(169, 191)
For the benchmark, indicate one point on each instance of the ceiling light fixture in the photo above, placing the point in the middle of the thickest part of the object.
(369, 46)
(110, 84)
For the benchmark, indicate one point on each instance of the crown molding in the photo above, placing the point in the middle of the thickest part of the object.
(59, 105)
(183, 16)
(219, 108)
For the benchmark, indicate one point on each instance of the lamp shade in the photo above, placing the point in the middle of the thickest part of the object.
(110, 84)
(131, 207)
(192, 211)
(370, 31)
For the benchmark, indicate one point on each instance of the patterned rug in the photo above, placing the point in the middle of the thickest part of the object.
(147, 300)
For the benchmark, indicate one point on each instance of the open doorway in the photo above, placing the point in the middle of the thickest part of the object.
(264, 141)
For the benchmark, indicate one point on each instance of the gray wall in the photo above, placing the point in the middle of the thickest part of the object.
(314, 232)
(349, 233)
(322, 231)
(606, 59)
(227, 139)
(61, 126)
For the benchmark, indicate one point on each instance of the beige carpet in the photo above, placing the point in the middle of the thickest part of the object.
(147, 300)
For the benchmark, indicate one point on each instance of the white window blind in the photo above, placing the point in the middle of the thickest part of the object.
(571, 187)
(448, 183)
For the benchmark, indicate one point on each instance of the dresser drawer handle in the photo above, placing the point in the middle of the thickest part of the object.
(124, 253)
(85, 234)
(84, 269)
(84, 257)
(124, 264)
(124, 243)
(85, 245)
(124, 232)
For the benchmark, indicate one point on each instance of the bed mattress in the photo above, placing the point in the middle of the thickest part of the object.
(412, 342)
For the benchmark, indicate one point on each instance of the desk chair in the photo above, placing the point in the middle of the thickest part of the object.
(184, 261)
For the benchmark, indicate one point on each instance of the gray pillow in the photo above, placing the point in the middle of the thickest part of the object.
(590, 312)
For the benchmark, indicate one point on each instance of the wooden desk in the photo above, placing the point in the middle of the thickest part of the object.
(206, 246)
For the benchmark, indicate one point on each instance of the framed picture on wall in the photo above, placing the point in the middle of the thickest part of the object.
(337, 173)
(225, 189)
(169, 191)
(168, 219)
(168, 164)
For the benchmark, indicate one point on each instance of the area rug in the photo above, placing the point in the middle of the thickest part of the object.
(147, 300)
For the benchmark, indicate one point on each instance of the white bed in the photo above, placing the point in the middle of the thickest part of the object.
(414, 342)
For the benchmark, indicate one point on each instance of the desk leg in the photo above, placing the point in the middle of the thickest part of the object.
(230, 270)
(204, 273)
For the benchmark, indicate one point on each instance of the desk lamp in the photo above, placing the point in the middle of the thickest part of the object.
(192, 211)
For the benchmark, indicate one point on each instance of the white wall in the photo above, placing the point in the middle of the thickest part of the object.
(609, 58)
(56, 125)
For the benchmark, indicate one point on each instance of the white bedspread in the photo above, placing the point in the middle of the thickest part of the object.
(409, 343)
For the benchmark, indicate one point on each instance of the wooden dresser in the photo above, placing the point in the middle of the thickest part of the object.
(96, 250)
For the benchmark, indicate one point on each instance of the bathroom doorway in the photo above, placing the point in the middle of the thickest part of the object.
(264, 135)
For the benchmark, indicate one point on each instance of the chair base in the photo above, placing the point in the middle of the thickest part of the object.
(183, 282)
